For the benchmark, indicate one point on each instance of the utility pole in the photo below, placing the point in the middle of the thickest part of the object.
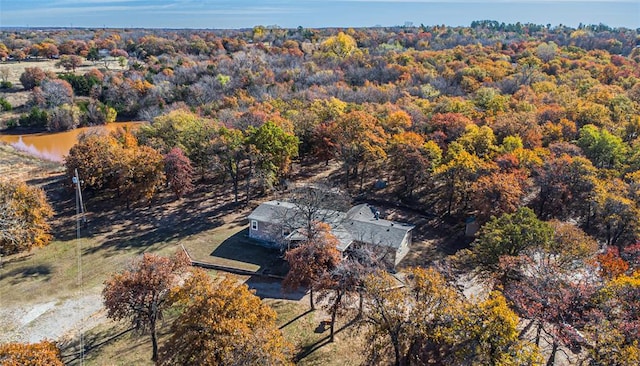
(79, 209)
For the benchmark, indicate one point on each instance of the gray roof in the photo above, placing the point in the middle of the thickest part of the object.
(272, 211)
(358, 224)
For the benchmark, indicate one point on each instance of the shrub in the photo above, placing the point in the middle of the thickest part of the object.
(6, 85)
(36, 118)
(65, 117)
(5, 105)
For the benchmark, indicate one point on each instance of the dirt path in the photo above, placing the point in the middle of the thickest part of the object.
(57, 319)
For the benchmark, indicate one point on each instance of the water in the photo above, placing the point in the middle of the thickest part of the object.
(54, 146)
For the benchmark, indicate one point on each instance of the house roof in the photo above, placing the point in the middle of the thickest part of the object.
(360, 224)
(272, 211)
(365, 226)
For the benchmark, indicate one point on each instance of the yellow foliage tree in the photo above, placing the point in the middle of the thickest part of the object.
(24, 215)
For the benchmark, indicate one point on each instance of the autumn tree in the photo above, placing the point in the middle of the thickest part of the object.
(496, 194)
(177, 168)
(456, 175)
(24, 215)
(311, 260)
(69, 62)
(566, 186)
(339, 46)
(141, 292)
(427, 321)
(117, 162)
(53, 93)
(229, 146)
(32, 77)
(44, 353)
(616, 216)
(183, 129)
(359, 140)
(413, 159)
(222, 323)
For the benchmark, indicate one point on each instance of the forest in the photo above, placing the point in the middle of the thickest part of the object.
(532, 131)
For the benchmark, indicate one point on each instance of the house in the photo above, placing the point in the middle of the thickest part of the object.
(278, 223)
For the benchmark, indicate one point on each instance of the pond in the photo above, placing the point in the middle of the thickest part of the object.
(55, 145)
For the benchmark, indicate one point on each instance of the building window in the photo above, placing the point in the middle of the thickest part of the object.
(254, 224)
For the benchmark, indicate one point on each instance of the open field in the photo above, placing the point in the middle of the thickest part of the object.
(18, 97)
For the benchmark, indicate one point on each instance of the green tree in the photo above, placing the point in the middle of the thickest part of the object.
(604, 149)
(273, 149)
(509, 235)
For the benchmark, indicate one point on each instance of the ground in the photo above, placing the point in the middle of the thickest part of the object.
(40, 295)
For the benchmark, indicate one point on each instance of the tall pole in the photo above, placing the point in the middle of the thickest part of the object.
(79, 209)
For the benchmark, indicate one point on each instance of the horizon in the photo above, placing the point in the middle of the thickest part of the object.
(243, 14)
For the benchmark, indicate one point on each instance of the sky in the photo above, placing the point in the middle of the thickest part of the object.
(218, 14)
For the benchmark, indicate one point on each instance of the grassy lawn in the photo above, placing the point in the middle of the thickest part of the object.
(310, 338)
(229, 246)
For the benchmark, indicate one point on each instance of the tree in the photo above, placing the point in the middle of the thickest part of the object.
(141, 293)
(32, 77)
(428, 322)
(497, 194)
(70, 62)
(229, 145)
(183, 129)
(509, 235)
(359, 139)
(44, 353)
(339, 46)
(273, 150)
(222, 323)
(53, 93)
(413, 159)
(558, 303)
(179, 172)
(566, 186)
(310, 261)
(118, 163)
(24, 215)
(616, 213)
(139, 172)
(604, 149)
(458, 171)
(64, 117)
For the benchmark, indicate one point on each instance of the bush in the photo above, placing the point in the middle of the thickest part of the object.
(12, 123)
(6, 85)
(81, 84)
(96, 113)
(63, 118)
(36, 118)
(5, 105)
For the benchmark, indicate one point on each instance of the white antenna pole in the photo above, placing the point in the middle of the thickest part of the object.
(79, 209)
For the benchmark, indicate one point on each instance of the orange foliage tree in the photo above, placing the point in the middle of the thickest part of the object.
(223, 323)
(44, 353)
(312, 260)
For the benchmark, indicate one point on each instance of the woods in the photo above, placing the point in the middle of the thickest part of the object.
(531, 132)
